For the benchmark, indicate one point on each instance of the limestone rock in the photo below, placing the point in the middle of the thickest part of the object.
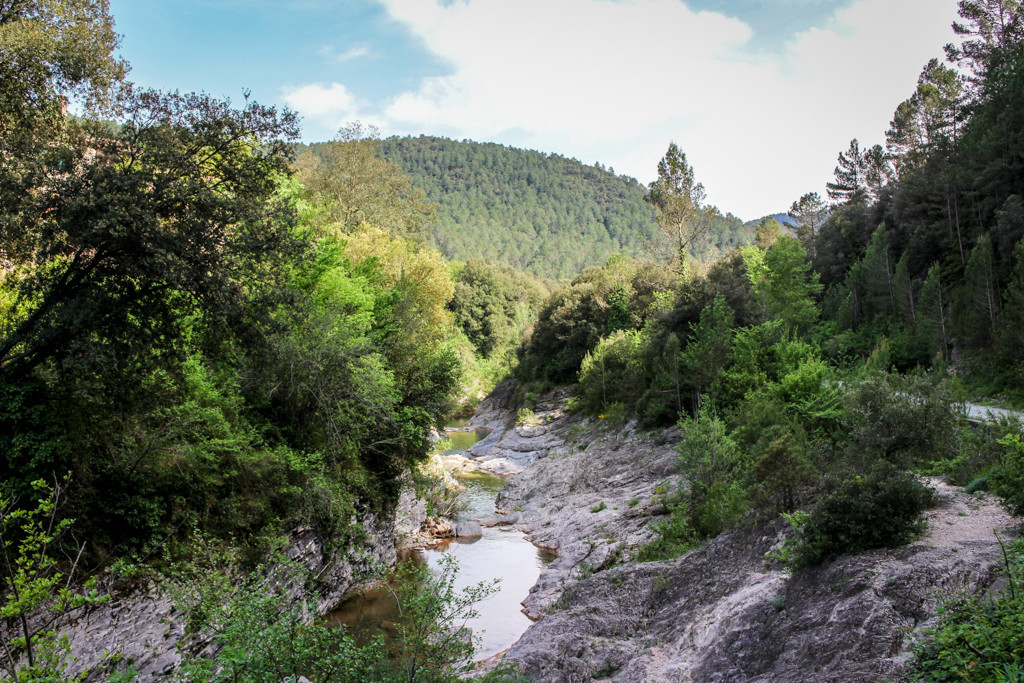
(468, 530)
(720, 613)
(437, 527)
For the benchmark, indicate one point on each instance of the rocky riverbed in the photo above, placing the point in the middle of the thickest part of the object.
(589, 490)
(722, 612)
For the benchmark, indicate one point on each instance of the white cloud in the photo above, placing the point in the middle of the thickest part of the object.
(332, 57)
(332, 104)
(614, 81)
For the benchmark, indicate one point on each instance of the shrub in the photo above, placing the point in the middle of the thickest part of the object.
(674, 534)
(718, 471)
(911, 419)
(978, 638)
(264, 637)
(612, 372)
(1007, 475)
(881, 509)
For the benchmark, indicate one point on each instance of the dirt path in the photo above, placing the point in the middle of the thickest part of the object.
(961, 517)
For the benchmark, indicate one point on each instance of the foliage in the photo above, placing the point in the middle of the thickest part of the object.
(978, 637)
(610, 372)
(35, 591)
(156, 226)
(432, 641)
(264, 636)
(881, 509)
(1007, 474)
(913, 420)
(716, 471)
(349, 185)
(678, 198)
(789, 286)
(621, 295)
(53, 50)
(210, 363)
(494, 305)
(809, 212)
(545, 214)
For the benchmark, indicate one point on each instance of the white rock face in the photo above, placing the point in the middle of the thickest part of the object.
(721, 612)
(142, 627)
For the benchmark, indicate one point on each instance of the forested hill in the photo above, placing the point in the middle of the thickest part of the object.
(545, 214)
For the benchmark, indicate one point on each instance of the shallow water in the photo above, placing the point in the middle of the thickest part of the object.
(502, 552)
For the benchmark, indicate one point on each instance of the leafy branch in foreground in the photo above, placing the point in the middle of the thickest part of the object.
(261, 634)
(979, 637)
(35, 593)
(433, 641)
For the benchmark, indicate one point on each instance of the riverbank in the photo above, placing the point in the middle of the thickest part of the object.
(722, 612)
(483, 554)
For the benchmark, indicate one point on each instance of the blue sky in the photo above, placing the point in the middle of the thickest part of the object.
(760, 94)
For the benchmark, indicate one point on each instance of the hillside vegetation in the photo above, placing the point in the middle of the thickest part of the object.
(545, 214)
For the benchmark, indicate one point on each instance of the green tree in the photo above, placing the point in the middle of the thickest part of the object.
(928, 120)
(432, 640)
(871, 280)
(354, 186)
(162, 221)
(264, 636)
(789, 285)
(878, 171)
(679, 200)
(54, 50)
(767, 233)
(988, 29)
(707, 349)
(979, 299)
(809, 212)
(494, 304)
(851, 181)
(903, 290)
(932, 319)
(612, 372)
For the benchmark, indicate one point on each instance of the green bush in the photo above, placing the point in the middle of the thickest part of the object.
(914, 419)
(1007, 475)
(611, 373)
(264, 637)
(674, 534)
(881, 509)
(716, 492)
(979, 637)
(718, 472)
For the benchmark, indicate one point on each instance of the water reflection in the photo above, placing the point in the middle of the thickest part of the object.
(500, 553)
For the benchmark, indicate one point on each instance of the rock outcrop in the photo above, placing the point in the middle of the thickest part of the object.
(141, 627)
(584, 488)
(721, 612)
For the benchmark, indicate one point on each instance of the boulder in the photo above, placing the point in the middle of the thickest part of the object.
(468, 530)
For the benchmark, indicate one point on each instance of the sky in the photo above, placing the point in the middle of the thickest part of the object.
(761, 95)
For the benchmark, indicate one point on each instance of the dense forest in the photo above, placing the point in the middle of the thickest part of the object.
(541, 213)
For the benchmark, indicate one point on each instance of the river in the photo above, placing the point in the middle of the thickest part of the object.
(502, 552)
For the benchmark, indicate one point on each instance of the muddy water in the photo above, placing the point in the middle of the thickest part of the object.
(501, 552)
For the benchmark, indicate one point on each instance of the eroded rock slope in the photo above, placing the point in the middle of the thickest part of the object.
(721, 612)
